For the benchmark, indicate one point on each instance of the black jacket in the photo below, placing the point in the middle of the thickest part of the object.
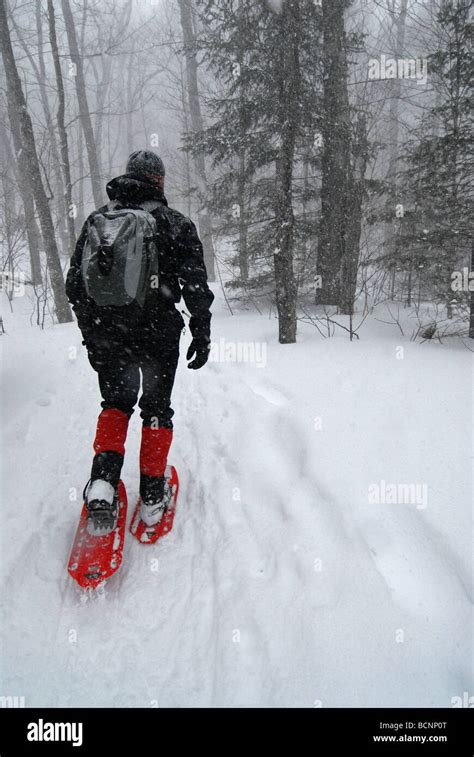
(182, 272)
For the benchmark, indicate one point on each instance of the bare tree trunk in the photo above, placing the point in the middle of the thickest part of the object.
(84, 112)
(306, 246)
(350, 261)
(395, 93)
(41, 77)
(24, 186)
(205, 223)
(65, 166)
(336, 156)
(243, 224)
(393, 136)
(130, 101)
(471, 314)
(21, 122)
(409, 284)
(242, 177)
(81, 169)
(185, 118)
(80, 133)
(143, 111)
(103, 88)
(8, 214)
(288, 119)
(392, 284)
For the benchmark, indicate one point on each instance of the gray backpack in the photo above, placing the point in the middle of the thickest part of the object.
(120, 256)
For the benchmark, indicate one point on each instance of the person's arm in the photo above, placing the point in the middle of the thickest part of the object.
(196, 293)
(75, 288)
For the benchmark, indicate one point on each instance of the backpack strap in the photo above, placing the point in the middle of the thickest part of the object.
(150, 205)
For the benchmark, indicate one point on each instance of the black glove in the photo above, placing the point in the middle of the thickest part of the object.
(200, 347)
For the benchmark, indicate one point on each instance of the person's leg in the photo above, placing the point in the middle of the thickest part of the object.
(156, 412)
(119, 386)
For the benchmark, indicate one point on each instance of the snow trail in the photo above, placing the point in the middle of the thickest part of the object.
(280, 584)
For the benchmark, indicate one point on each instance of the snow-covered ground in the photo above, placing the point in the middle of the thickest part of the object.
(283, 582)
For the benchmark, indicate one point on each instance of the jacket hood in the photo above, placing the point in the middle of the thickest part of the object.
(133, 189)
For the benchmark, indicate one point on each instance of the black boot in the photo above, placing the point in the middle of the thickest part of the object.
(154, 498)
(101, 500)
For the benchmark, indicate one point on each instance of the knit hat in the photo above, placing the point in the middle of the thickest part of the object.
(148, 164)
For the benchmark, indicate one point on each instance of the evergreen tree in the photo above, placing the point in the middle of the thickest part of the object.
(265, 119)
(435, 237)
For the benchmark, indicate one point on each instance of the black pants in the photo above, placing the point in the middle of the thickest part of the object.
(120, 385)
(122, 353)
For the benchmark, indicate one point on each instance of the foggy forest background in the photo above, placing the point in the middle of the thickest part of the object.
(323, 148)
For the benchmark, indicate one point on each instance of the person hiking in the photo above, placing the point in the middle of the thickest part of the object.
(134, 260)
